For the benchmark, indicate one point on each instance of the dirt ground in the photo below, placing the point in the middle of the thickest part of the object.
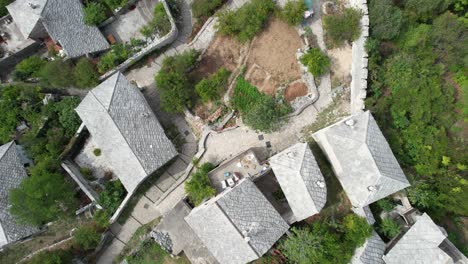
(341, 63)
(223, 52)
(294, 90)
(272, 58)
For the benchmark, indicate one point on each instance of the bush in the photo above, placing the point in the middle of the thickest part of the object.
(101, 218)
(115, 4)
(342, 26)
(199, 188)
(85, 75)
(210, 89)
(425, 10)
(112, 196)
(86, 237)
(58, 256)
(28, 68)
(94, 13)
(67, 116)
(316, 61)
(293, 12)
(247, 21)
(245, 95)
(3, 4)
(160, 24)
(386, 19)
(172, 81)
(389, 228)
(265, 115)
(205, 8)
(97, 152)
(57, 74)
(385, 204)
(118, 54)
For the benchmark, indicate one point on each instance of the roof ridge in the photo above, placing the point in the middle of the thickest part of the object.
(7, 149)
(118, 73)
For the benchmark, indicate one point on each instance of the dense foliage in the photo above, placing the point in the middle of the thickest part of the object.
(259, 111)
(94, 13)
(324, 243)
(112, 196)
(386, 19)
(316, 61)
(199, 188)
(245, 22)
(45, 194)
(86, 237)
(57, 74)
(293, 12)
(412, 73)
(389, 228)
(101, 218)
(3, 4)
(210, 88)
(115, 4)
(85, 74)
(28, 68)
(160, 25)
(342, 26)
(205, 8)
(118, 54)
(59, 256)
(173, 82)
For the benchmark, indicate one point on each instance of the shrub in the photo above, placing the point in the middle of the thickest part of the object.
(385, 18)
(160, 24)
(3, 4)
(173, 83)
(316, 61)
(247, 21)
(385, 204)
(245, 95)
(265, 115)
(101, 218)
(357, 230)
(342, 26)
(58, 256)
(97, 152)
(389, 228)
(67, 116)
(293, 12)
(205, 8)
(112, 196)
(86, 172)
(199, 188)
(118, 54)
(57, 74)
(94, 13)
(86, 237)
(28, 68)
(210, 88)
(425, 10)
(85, 75)
(115, 4)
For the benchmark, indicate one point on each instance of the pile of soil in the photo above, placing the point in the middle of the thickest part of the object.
(295, 90)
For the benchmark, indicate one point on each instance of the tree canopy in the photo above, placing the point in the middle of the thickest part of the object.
(199, 188)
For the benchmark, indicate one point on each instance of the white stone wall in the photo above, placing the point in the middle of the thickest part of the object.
(359, 62)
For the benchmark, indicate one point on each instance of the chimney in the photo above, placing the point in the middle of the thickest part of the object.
(31, 5)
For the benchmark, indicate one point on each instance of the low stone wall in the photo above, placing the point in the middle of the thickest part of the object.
(156, 44)
(360, 59)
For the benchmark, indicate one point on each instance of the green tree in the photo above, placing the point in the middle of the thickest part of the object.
(210, 88)
(112, 196)
(86, 237)
(389, 228)
(385, 204)
(425, 10)
(59, 256)
(68, 118)
(316, 61)
(247, 21)
(3, 4)
(386, 19)
(342, 26)
(57, 74)
(357, 230)
(85, 74)
(94, 13)
(205, 8)
(42, 196)
(265, 115)
(293, 12)
(199, 188)
(29, 67)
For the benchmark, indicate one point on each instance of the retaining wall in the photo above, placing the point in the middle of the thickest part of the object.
(359, 61)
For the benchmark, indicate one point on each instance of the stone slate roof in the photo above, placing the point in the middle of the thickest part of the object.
(225, 224)
(64, 22)
(371, 252)
(362, 159)
(420, 244)
(300, 178)
(126, 130)
(12, 173)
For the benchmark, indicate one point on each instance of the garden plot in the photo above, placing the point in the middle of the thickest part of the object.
(272, 58)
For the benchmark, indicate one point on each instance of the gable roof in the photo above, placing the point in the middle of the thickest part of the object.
(371, 252)
(126, 129)
(63, 20)
(300, 179)
(362, 159)
(12, 173)
(420, 244)
(239, 225)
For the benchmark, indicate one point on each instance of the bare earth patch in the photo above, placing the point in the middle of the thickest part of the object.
(294, 90)
(272, 58)
(341, 63)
